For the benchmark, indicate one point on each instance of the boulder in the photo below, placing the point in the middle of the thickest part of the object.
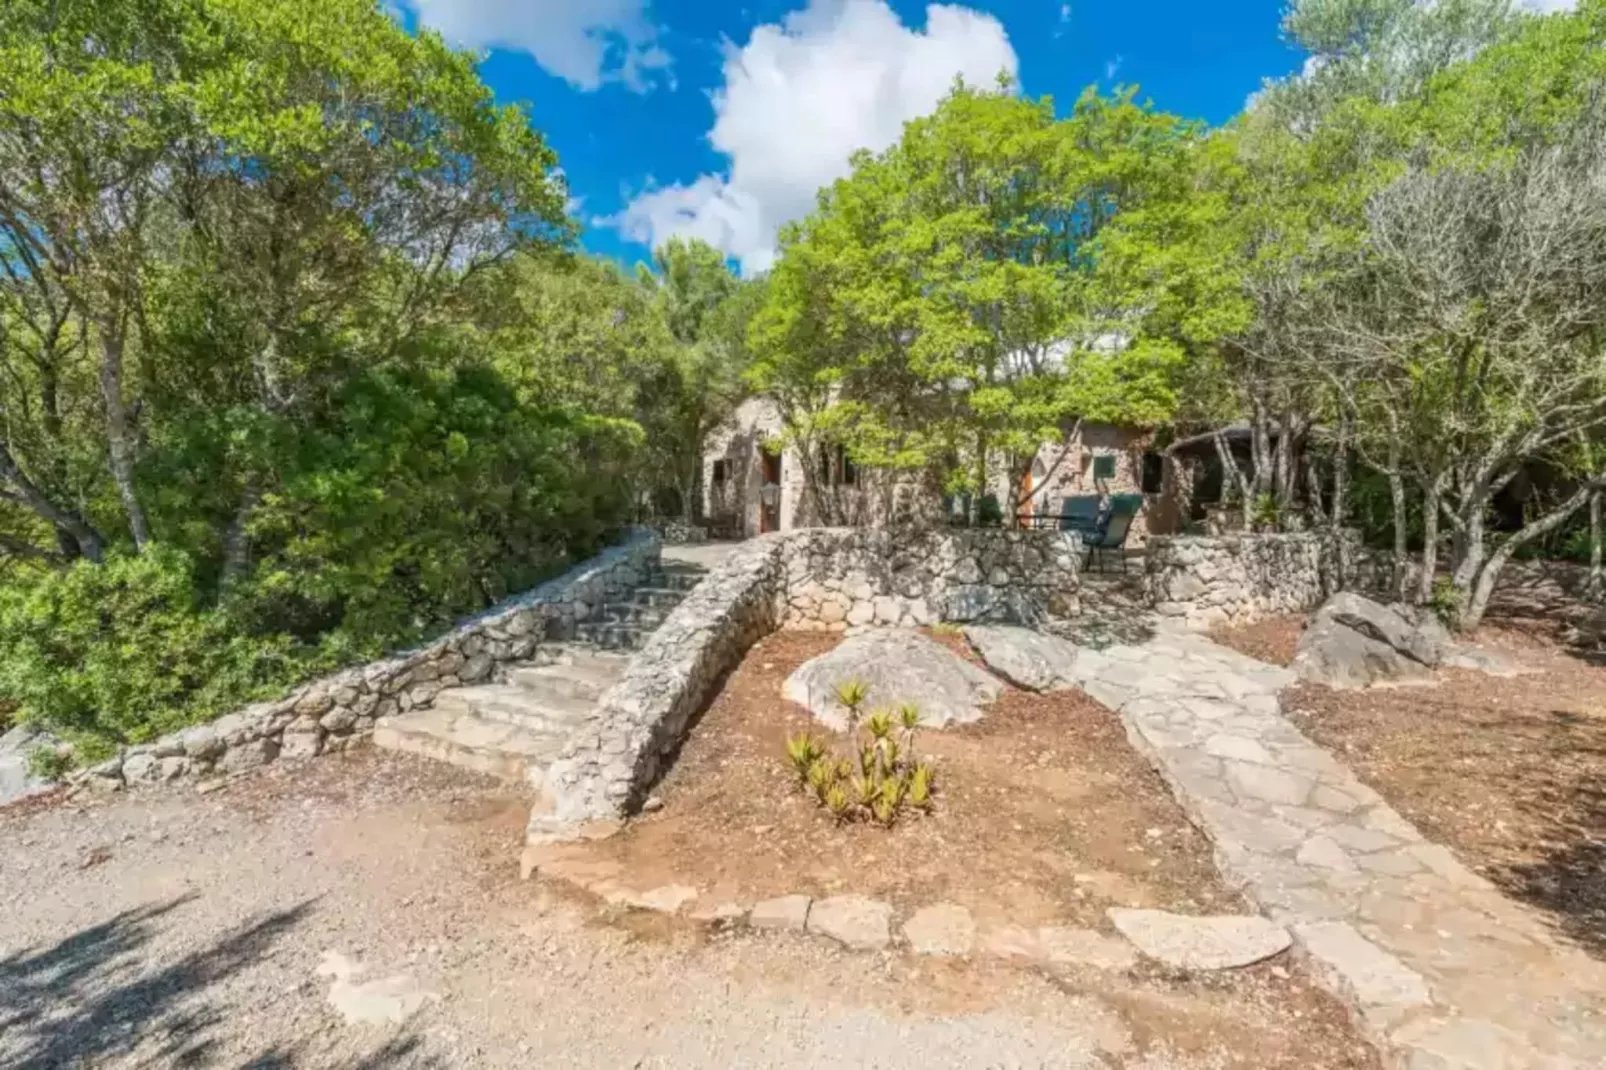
(16, 781)
(1025, 658)
(1201, 943)
(1355, 642)
(897, 666)
(1337, 656)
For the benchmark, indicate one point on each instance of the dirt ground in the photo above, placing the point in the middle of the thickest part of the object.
(366, 912)
(1510, 773)
(1043, 813)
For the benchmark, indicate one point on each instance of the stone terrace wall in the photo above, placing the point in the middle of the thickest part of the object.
(1232, 579)
(339, 711)
(819, 579)
(837, 578)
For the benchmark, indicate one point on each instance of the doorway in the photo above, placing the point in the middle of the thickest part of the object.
(769, 493)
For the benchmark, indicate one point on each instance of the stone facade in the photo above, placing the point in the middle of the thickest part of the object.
(737, 478)
(821, 579)
(338, 712)
(1233, 579)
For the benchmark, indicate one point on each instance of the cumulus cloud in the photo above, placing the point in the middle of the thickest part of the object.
(798, 99)
(584, 42)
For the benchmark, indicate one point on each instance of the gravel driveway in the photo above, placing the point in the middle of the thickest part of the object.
(366, 912)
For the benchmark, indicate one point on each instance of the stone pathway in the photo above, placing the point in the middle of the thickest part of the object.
(1441, 970)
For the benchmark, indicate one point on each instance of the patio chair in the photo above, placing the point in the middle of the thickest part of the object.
(1080, 513)
(1112, 529)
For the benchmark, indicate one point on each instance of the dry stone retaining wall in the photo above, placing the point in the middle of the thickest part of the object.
(818, 579)
(1233, 579)
(339, 711)
(837, 578)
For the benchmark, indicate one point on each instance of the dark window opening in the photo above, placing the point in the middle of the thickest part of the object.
(836, 468)
(1153, 473)
(1104, 466)
(721, 472)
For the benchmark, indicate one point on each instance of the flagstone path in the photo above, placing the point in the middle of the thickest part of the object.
(1441, 970)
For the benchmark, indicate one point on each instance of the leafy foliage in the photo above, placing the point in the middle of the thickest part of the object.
(881, 780)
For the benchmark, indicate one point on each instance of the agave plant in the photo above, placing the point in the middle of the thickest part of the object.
(921, 781)
(851, 694)
(879, 724)
(836, 801)
(803, 751)
(821, 775)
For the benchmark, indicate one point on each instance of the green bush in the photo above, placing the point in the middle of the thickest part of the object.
(121, 652)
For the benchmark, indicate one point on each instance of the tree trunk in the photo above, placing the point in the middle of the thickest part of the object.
(1259, 450)
(1240, 482)
(1596, 578)
(237, 539)
(90, 543)
(119, 435)
(1339, 507)
(1490, 575)
(1432, 497)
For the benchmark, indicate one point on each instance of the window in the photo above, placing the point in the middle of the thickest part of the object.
(1104, 466)
(1153, 473)
(837, 468)
(721, 472)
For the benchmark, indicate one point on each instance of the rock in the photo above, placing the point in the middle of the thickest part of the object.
(897, 666)
(721, 912)
(1421, 642)
(339, 719)
(1480, 660)
(140, 767)
(1084, 947)
(248, 756)
(853, 921)
(1025, 658)
(314, 704)
(16, 781)
(1332, 654)
(202, 742)
(301, 744)
(941, 929)
(668, 899)
(1201, 943)
(785, 912)
(170, 769)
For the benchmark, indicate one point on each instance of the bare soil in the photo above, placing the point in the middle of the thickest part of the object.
(1510, 773)
(1043, 813)
(1272, 640)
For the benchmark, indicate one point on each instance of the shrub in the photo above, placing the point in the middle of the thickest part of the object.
(882, 780)
(120, 652)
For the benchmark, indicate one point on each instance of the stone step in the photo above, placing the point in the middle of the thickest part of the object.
(664, 597)
(610, 636)
(517, 706)
(675, 579)
(571, 680)
(643, 616)
(496, 748)
(572, 653)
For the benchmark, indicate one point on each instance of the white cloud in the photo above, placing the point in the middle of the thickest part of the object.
(584, 42)
(798, 99)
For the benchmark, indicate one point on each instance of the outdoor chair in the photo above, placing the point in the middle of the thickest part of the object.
(1111, 531)
(1080, 513)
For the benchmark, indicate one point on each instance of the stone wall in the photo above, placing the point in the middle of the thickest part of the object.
(820, 579)
(1233, 579)
(837, 578)
(338, 712)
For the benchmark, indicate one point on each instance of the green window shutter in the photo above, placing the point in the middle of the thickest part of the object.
(1104, 466)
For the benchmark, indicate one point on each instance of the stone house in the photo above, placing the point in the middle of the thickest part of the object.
(750, 490)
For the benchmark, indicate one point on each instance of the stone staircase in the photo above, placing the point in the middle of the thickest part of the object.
(516, 728)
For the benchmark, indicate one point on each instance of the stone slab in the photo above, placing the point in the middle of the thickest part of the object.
(1220, 942)
(1028, 659)
(782, 912)
(940, 929)
(853, 921)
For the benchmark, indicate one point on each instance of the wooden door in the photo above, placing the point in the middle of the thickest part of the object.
(769, 496)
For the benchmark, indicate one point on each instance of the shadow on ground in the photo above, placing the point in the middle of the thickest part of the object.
(1568, 880)
(95, 996)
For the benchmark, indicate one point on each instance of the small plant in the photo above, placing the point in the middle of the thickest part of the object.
(881, 780)
(49, 763)
(1447, 602)
(851, 694)
(947, 630)
(1264, 515)
(803, 751)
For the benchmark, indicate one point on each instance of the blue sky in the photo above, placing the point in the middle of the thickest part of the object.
(720, 119)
